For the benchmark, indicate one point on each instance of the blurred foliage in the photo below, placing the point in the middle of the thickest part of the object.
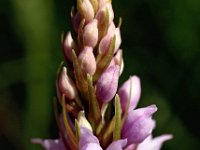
(160, 43)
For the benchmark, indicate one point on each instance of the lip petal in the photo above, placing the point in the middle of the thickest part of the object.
(155, 143)
(138, 124)
(88, 141)
(117, 145)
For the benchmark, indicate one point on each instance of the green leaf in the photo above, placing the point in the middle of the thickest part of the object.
(107, 134)
(80, 79)
(118, 121)
(94, 109)
(59, 69)
(103, 26)
(77, 129)
(120, 22)
(62, 38)
(80, 33)
(69, 131)
(61, 130)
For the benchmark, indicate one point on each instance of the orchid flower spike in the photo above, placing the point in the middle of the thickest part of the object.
(85, 114)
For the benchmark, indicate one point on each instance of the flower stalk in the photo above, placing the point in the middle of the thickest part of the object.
(87, 88)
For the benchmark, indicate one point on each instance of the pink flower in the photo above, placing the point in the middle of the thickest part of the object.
(154, 143)
(94, 58)
(138, 124)
(130, 89)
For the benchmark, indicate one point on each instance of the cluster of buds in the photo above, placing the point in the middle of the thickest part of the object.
(95, 114)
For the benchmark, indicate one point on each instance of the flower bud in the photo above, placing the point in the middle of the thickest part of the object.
(95, 5)
(69, 44)
(105, 42)
(65, 85)
(102, 11)
(90, 34)
(138, 124)
(107, 84)
(103, 2)
(83, 122)
(118, 60)
(86, 10)
(130, 89)
(76, 19)
(87, 61)
(111, 28)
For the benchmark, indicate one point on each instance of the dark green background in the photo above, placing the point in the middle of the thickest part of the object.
(160, 43)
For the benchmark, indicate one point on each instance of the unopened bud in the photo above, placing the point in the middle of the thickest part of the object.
(90, 34)
(103, 2)
(118, 60)
(66, 85)
(86, 10)
(95, 4)
(105, 42)
(87, 60)
(107, 84)
(69, 44)
(83, 122)
(76, 19)
(102, 11)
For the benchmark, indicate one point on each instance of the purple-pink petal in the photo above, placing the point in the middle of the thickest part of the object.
(90, 34)
(131, 147)
(50, 144)
(155, 143)
(86, 139)
(117, 145)
(130, 89)
(91, 146)
(87, 60)
(139, 124)
(107, 84)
